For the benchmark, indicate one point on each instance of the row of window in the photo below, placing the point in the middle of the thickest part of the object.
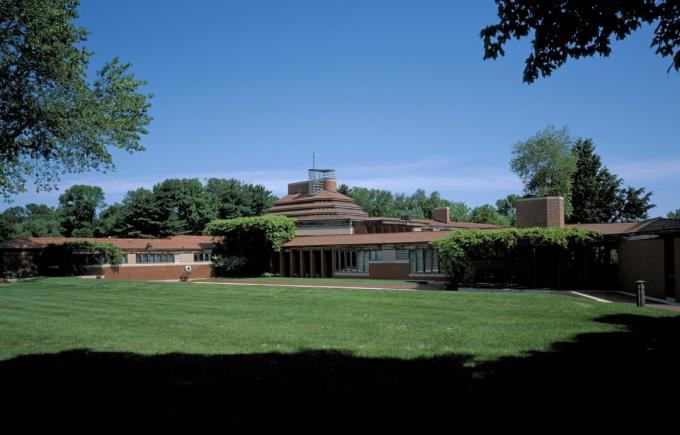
(421, 260)
(164, 257)
(155, 258)
(424, 261)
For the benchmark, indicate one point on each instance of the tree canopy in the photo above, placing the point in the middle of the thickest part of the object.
(78, 209)
(598, 195)
(545, 164)
(53, 117)
(566, 29)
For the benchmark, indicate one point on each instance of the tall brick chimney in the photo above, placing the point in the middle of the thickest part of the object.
(442, 214)
(546, 211)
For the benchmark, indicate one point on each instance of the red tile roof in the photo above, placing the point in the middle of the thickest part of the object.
(180, 243)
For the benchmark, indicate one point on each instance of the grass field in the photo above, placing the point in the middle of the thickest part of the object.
(53, 315)
(77, 350)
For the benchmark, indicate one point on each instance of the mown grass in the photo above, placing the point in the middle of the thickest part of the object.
(53, 315)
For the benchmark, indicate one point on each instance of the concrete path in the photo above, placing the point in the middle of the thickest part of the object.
(626, 298)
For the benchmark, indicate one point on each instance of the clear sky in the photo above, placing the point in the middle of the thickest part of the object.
(392, 94)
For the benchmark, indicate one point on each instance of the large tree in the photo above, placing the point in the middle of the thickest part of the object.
(598, 195)
(595, 191)
(545, 164)
(231, 198)
(53, 117)
(183, 201)
(78, 209)
(564, 29)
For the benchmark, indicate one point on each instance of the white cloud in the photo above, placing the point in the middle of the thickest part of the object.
(645, 171)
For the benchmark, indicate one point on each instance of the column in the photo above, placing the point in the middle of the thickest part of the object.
(312, 263)
(282, 263)
(322, 258)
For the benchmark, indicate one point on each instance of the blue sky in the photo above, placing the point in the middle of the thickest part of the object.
(392, 94)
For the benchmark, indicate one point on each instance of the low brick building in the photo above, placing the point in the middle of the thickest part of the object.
(143, 259)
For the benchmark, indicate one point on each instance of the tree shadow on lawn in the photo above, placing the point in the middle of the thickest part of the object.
(594, 371)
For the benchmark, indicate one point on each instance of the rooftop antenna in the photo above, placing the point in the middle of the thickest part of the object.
(313, 160)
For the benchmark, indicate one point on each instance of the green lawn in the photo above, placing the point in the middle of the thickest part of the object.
(53, 315)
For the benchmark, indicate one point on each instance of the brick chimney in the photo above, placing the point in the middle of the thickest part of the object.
(442, 214)
(547, 211)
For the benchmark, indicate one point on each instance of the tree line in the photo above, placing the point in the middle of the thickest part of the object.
(171, 207)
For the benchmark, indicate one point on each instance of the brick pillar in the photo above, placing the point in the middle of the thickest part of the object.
(282, 263)
(322, 258)
(291, 261)
(312, 263)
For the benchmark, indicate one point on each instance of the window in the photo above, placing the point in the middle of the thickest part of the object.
(402, 254)
(201, 256)
(424, 260)
(155, 258)
(375, 255)
(351, 261)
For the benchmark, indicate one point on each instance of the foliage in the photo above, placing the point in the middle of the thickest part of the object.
(545, 164)
(249, 243)
(137, 217)
(377, 202)
(458, 250)
(597, 195)
(228, 199)
(182, 204)
(573, 29)
(78, 207)
(506, 208)
(487, 214)
(52, 118)
(636, 204)
(674, 214)
(33, 220)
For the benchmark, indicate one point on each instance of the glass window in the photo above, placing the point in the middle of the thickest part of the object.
(351, 261)
(402, 254)
(155, 258)
(424, 260)
(375, 255)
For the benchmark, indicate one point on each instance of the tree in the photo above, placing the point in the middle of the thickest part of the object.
(597, 194)
(545, 164)
(674, 214)
(184, 204)
(78, 207)
(231, 198)
(138, 217)
(636, 204)
(40, 221)
(487, 214)
(566, 29)
(52, 118)
(506, 208)
(595, 191)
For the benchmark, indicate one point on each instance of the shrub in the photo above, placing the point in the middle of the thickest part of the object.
(73, 258)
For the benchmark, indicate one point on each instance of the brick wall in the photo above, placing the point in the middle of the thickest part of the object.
(156, 272)
(642, 259)
(388, 270)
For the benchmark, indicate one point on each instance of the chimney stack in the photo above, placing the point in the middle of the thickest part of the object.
(547, 211)
(442, 214)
